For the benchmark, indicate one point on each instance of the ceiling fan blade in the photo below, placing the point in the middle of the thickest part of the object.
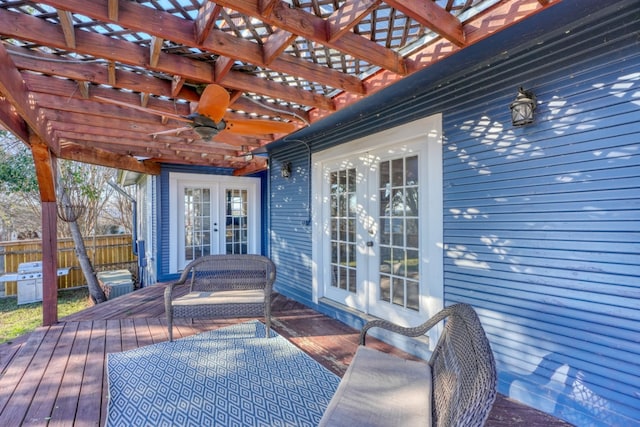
(258, 126)
(214, 102)
(144, 109)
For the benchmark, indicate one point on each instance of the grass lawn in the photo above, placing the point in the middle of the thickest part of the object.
(16, 320)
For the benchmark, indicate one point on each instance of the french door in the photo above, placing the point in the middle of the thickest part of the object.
(213, 215)
(379, 220)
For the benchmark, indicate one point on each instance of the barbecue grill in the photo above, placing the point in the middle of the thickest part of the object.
(29, 278)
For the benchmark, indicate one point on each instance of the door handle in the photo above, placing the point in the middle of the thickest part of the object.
(370, 243)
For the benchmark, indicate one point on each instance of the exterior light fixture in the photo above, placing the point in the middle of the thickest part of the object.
(522, 108)
(246, 153)
(285, 169)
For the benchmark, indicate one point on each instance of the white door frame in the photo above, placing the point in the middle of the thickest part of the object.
(218, 183)
(428, 132)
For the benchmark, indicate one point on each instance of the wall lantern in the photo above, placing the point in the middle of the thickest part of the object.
(285, 169)
(522, 108)
(245, 153)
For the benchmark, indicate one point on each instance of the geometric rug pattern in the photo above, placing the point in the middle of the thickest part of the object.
(232, 376)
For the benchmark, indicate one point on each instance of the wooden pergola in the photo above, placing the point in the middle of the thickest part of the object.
(109, 82)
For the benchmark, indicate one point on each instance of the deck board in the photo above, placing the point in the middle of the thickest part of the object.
(91, 389)
(66, 404)
(8, 352)
(47, 391)
(14, 373)
(128, 335)
(33, 378)
(56, 376)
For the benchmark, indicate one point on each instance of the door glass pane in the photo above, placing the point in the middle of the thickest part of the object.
(397, 172)
(351, 182)
(236, 221)
(384, 173)
(351, 236)
(197, 223)
(385, 288)
(413, 292)
(399, 273)
(397, 291)
(412, 170)
(342, 198)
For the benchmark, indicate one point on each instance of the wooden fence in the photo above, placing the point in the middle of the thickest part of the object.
(107, 252)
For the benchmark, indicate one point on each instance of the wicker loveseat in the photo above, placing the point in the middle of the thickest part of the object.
(223, 286)
(456, 388)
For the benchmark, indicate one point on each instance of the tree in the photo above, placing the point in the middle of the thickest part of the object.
(74, 193)
(19, 202)
(82, 185)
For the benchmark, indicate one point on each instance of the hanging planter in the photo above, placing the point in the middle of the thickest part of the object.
(70, 207)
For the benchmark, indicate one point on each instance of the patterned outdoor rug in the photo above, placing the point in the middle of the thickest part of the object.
(229, 377)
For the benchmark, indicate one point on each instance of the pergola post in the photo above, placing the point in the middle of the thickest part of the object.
(49, 264)
(23, 120)
(46, 171)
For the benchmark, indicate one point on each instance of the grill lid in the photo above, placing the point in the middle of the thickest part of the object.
(30, 267)
(30, 270)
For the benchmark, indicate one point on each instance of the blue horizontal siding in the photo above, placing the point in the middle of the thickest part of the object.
(290, 227)
(541, 223)
(601, 266)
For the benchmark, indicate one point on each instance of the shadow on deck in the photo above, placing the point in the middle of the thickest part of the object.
(55, 375)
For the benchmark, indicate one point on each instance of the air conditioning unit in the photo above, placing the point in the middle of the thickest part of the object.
(115, 283)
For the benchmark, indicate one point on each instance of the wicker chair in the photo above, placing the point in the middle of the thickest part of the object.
(223, 286)
(462, 380)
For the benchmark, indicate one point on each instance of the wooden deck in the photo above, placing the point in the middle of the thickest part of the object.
(55, 375)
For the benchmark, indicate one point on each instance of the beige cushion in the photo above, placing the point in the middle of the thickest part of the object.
(380, 389)
(243, 296)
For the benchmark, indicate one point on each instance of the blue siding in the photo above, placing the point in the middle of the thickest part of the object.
(541, 224)
(542, 230)
(290, 226)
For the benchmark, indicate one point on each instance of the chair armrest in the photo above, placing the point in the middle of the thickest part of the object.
(415, 331)
(168, 291)
(268, 287)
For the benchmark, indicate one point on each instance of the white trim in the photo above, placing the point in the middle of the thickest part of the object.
(217, 183)
(427, 133)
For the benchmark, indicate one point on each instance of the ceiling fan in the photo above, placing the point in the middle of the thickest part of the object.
(209, 118)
